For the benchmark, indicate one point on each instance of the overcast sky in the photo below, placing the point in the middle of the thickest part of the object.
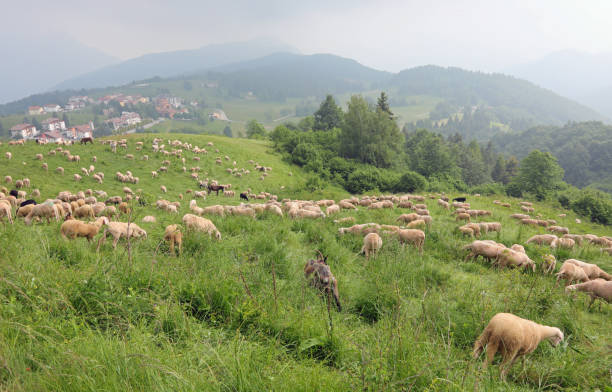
(391, 35)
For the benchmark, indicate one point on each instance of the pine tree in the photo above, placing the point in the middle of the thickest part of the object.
(383, 104)
(328, 116)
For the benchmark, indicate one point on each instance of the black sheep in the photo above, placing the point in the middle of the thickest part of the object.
(14, 193)
(244, 196)
(460, 199)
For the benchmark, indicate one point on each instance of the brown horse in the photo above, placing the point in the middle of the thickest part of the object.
(215, 188)
(87, 139)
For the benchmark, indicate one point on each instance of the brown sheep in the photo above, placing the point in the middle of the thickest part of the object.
(463, 216)
(174, 236)
(512, 336)
(75, 228)
(542, 239)
(549, 263)
(85, 211)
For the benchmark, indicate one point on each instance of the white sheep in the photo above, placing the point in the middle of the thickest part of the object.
(120, 229)
(371, 244)
(75, 228)
(512, 336)
(571, 272)
(597, 288)
(198, 223)
(412, 236)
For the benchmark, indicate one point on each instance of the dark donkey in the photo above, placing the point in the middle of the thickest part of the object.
(215, 188)
(87, 139)
(322, 278)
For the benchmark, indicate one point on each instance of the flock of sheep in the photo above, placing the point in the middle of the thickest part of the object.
(506, 333)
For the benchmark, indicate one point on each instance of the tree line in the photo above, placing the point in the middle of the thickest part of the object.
(362, 149)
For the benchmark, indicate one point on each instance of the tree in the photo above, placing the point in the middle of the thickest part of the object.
(383, 104)
(328, 116)
(428, 154)
(539, 173)
(498, 174)
(227, 131)
(369, 136)
(255, 130)
(512, 168)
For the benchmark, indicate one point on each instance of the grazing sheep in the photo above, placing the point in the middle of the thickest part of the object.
(46, 210)
(509, 257)
(174, 236)
(85, 211)
(163, 189)
(332, 209)
(414, 237)
(518, 248)
(490, 226)
(487, 249)
(120, 229)
(124, 208)
(558, 229)
(73, 228)
(346, 219)
(407, 218)
(149, 219)
(566, 243)
(571, 272)
(345, 205)
(371, 244)
(8, 155)
(5, 210)
(463, 216)
(549, 263)
(542, 239)
(512, 336)
(198, 223)
(8, 179)
(319, 276)
(592, 270)
(597, 289)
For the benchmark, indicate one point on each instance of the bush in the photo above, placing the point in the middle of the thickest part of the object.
(363, 180)
(595, 205)
(410, 182)
(315, 183)
(564, 201)
(514, 189)
(489, 189)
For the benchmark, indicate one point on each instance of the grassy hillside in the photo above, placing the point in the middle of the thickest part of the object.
(236, 314)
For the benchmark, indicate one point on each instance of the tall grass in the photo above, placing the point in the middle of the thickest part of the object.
(236, 314)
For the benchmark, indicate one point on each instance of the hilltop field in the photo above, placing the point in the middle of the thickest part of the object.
(237, 314)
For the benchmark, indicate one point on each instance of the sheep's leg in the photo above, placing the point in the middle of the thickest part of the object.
(172, 246)
(180, 247)
(115, 240)
(507, 364)
(491, 351)
(593, 298)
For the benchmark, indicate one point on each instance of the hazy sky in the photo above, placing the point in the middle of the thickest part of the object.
(390, 35)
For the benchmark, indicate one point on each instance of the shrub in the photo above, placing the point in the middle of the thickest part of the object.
(489, 189)
(564, 201)
(410, 182)
(514, 189)
(363, 180)
(594, 205)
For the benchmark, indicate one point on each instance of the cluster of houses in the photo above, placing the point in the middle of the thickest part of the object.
(74, 103)
(123, 99)
(53, 130)
(126, 120)
(169, 106)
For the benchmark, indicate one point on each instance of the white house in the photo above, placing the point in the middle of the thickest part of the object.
(52, 108)
(23, 131)
(53, 124)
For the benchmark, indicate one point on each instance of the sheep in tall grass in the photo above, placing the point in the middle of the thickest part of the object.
(6, 210)
(511, 258)
(319, 276)
(549, 262)
(571, 272)
(174, 237)
(198, 223)
(149, 219)
(46, 210)
(542, 239)
(592, 270)
(413, 237)
(8, 179)
(597, 289)
(121, 229)
(558, 229)
(566, 243)
(487, 249)
(512, 337)
(407, 218)
(73, 228)
(371, 244)
(85, 211)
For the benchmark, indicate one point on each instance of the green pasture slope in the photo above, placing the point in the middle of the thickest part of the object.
(236, 314)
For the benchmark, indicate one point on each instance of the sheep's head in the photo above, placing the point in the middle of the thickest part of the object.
(218, 235)
(556, 338)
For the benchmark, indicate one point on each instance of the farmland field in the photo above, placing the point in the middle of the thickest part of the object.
(237, 314)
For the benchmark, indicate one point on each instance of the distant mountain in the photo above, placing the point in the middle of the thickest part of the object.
(168, 64)
(581, 76)
(495, 91)
(285, 75)
(31, 64)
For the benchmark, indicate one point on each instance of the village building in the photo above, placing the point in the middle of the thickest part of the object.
(53, 124)
(35, 110)
(23, 131)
